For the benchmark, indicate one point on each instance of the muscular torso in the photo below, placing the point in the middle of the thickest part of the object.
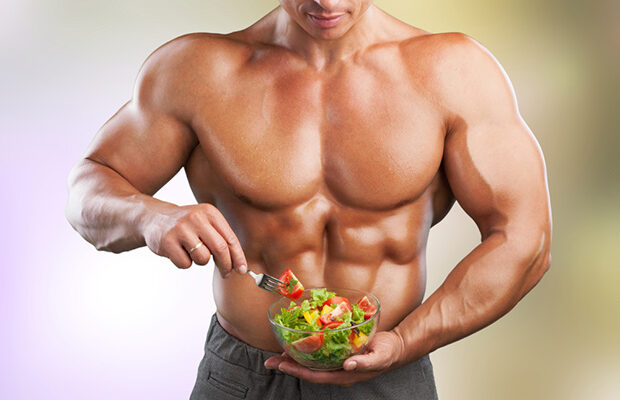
(336, 174)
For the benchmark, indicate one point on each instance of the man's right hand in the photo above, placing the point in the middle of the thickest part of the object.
(174, 232)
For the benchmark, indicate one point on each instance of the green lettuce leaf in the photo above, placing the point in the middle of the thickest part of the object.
(320, 296)
(358, 314)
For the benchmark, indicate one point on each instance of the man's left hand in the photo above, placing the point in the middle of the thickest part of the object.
(383, 354)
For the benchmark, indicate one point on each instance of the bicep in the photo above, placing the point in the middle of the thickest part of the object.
(497, 174)
(493, 162)
(145, 146)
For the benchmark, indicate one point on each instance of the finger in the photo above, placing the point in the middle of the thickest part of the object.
(201, 254)
(220, 224)
(371, 361)
(342, 378)
(293, 368)
(366, 362)
(219, 249)
(273, 362)
(177, 254)
(195, 248)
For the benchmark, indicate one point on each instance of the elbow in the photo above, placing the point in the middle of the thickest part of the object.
(105, 247)
(73, 205)
(74, 208)
(540, 268)
(537, 261)
(529, 250)
(72, 213)
(546, 263)
(86, 211)
(541, 262)
(534, 274)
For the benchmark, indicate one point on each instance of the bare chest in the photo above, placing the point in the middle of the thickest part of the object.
(369, 138)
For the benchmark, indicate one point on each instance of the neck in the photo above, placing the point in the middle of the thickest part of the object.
(323, 52)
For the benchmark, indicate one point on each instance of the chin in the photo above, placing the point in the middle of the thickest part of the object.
(327, 34)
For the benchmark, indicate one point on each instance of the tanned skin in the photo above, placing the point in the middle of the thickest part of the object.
(328, 137)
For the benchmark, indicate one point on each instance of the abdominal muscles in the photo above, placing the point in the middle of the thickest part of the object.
(326, 245)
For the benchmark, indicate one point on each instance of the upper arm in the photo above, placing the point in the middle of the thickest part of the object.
(493, 163)
(149, 139)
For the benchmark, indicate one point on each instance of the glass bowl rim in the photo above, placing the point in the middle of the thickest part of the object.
(329, 289)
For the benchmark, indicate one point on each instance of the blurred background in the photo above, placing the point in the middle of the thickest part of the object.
(76, 323)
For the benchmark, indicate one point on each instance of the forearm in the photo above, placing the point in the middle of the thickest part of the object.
(484, 286)
(106, 209)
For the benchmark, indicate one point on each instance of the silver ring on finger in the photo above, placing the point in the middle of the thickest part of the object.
(195, 247)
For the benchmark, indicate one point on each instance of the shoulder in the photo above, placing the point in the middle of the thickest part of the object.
(465, 59)
(203, 47)
(175, 65)
(199, 48)
(461, 73)
(447, 51)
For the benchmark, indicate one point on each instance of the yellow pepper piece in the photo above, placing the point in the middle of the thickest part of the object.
(310, 316)
(360, 340)
(325, 310)
(307, 317)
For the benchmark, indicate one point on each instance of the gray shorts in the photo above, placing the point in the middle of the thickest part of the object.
(232, 369)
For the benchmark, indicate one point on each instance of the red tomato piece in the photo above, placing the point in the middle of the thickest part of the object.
(367, 307)
(332, 315)
(332, 325)
(309, 344)
(292, 290)
(338, 300)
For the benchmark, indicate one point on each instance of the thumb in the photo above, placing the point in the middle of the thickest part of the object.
(372, 361)
(380, 355)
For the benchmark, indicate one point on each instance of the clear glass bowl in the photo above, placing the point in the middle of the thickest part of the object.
(350, 340)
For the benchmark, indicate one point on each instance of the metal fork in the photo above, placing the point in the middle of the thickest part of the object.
(267, 282)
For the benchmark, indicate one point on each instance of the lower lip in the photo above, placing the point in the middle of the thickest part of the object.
(326, 22)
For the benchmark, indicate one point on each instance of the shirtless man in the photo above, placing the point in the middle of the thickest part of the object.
(327, 137)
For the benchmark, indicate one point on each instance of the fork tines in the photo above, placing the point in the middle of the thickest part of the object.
(267, 282)
(271, 284)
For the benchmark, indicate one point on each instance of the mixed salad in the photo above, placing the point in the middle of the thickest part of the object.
(326, 313)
